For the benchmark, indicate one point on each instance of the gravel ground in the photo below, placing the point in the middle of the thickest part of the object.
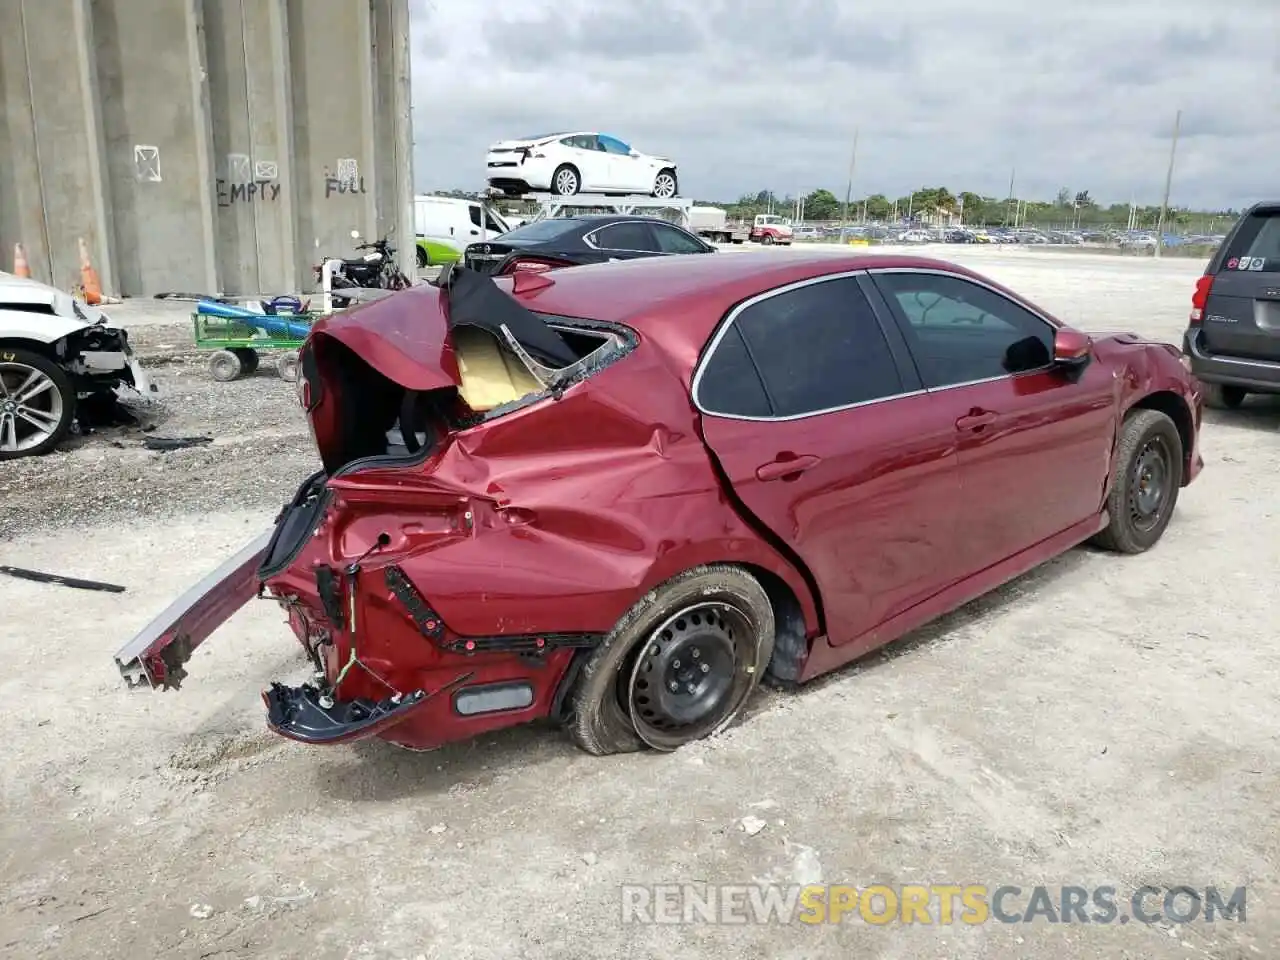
(1101, 720)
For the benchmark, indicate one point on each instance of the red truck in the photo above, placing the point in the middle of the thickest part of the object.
(769, 228)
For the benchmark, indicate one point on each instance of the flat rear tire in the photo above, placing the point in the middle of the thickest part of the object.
(679, 666)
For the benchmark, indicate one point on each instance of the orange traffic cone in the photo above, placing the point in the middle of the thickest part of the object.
(20, 266)
(89, 277)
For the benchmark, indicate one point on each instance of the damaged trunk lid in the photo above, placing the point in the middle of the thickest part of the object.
(386, 386)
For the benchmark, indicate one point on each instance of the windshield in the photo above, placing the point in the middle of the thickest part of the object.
(547, 229)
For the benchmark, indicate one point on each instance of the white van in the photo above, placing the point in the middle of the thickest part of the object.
(445, 225)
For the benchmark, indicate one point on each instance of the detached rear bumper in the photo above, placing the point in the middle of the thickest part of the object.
(1262, 376)
(155, 657)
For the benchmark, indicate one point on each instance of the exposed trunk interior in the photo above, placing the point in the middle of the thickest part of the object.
(378, 418)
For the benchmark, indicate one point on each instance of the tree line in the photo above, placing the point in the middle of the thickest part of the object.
(1068, 209)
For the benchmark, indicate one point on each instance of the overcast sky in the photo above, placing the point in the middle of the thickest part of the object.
(755, 94)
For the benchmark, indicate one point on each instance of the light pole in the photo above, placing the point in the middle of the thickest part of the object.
(1168, 184)
(848, 188)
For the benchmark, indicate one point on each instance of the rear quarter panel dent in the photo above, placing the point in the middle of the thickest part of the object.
(583, 505)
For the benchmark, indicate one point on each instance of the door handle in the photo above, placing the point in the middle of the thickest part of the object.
(975, 419)
(786, 469)
(475, 233)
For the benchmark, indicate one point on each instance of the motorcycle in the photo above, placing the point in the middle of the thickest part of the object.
(376, 269)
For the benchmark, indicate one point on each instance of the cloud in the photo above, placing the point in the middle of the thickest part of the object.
(756, 94)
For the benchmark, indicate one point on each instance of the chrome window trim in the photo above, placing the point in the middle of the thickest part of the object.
(732, 318)
(934, 271)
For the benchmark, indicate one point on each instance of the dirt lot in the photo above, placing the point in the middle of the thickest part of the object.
(1103, 720)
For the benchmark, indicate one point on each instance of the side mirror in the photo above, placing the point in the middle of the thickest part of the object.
(1071, 346)
(1072, 351)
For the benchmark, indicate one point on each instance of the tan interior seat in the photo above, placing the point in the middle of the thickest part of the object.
(491, 375)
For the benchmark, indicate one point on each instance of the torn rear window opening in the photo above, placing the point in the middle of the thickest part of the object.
(508, 358)
(550, 350)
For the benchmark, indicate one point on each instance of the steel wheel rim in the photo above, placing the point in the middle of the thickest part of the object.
(1150, 483)
(30, 407)
(666, 186)
(566, 182)
(708, 653)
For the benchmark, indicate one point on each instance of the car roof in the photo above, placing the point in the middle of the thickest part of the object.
(598, 217)
(679, 300)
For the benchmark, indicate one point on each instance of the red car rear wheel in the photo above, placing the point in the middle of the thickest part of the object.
(679, 666)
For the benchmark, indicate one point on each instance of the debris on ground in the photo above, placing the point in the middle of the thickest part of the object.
(174, 443)
(38, 576)
(752, 825)
(101, 410)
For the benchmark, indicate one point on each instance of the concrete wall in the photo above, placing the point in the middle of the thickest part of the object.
(203, 145)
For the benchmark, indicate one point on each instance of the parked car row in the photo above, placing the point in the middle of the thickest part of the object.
(925, 233)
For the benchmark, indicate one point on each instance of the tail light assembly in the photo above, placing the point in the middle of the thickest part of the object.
(533, 265)
(1200, 299)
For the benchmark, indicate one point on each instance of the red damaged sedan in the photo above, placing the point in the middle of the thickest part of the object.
(621, 495)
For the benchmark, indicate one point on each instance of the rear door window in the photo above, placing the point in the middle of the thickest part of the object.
(818, 348)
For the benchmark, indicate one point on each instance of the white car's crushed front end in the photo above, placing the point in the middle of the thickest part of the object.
(79, 337)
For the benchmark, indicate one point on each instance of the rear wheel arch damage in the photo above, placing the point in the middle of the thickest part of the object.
(660, 628)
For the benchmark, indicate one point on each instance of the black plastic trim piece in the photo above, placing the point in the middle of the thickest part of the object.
(298, 713)
(329, 587)
(565, 687)
(313, 485)
(431, 626)
(425, 619)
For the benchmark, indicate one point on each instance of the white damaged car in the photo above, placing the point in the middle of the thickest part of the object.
(569, 163)
(55, 352)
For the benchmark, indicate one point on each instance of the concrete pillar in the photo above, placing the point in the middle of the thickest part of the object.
(252, 136)
(218, 146)
(102, 241)
(151, 79)
(333, 126)
(393, 137)
(51, 188)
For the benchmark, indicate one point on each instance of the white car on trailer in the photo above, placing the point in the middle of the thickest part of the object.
(55, 351)
(570, 163)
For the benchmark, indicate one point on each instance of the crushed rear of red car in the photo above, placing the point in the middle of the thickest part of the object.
(498, 488)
